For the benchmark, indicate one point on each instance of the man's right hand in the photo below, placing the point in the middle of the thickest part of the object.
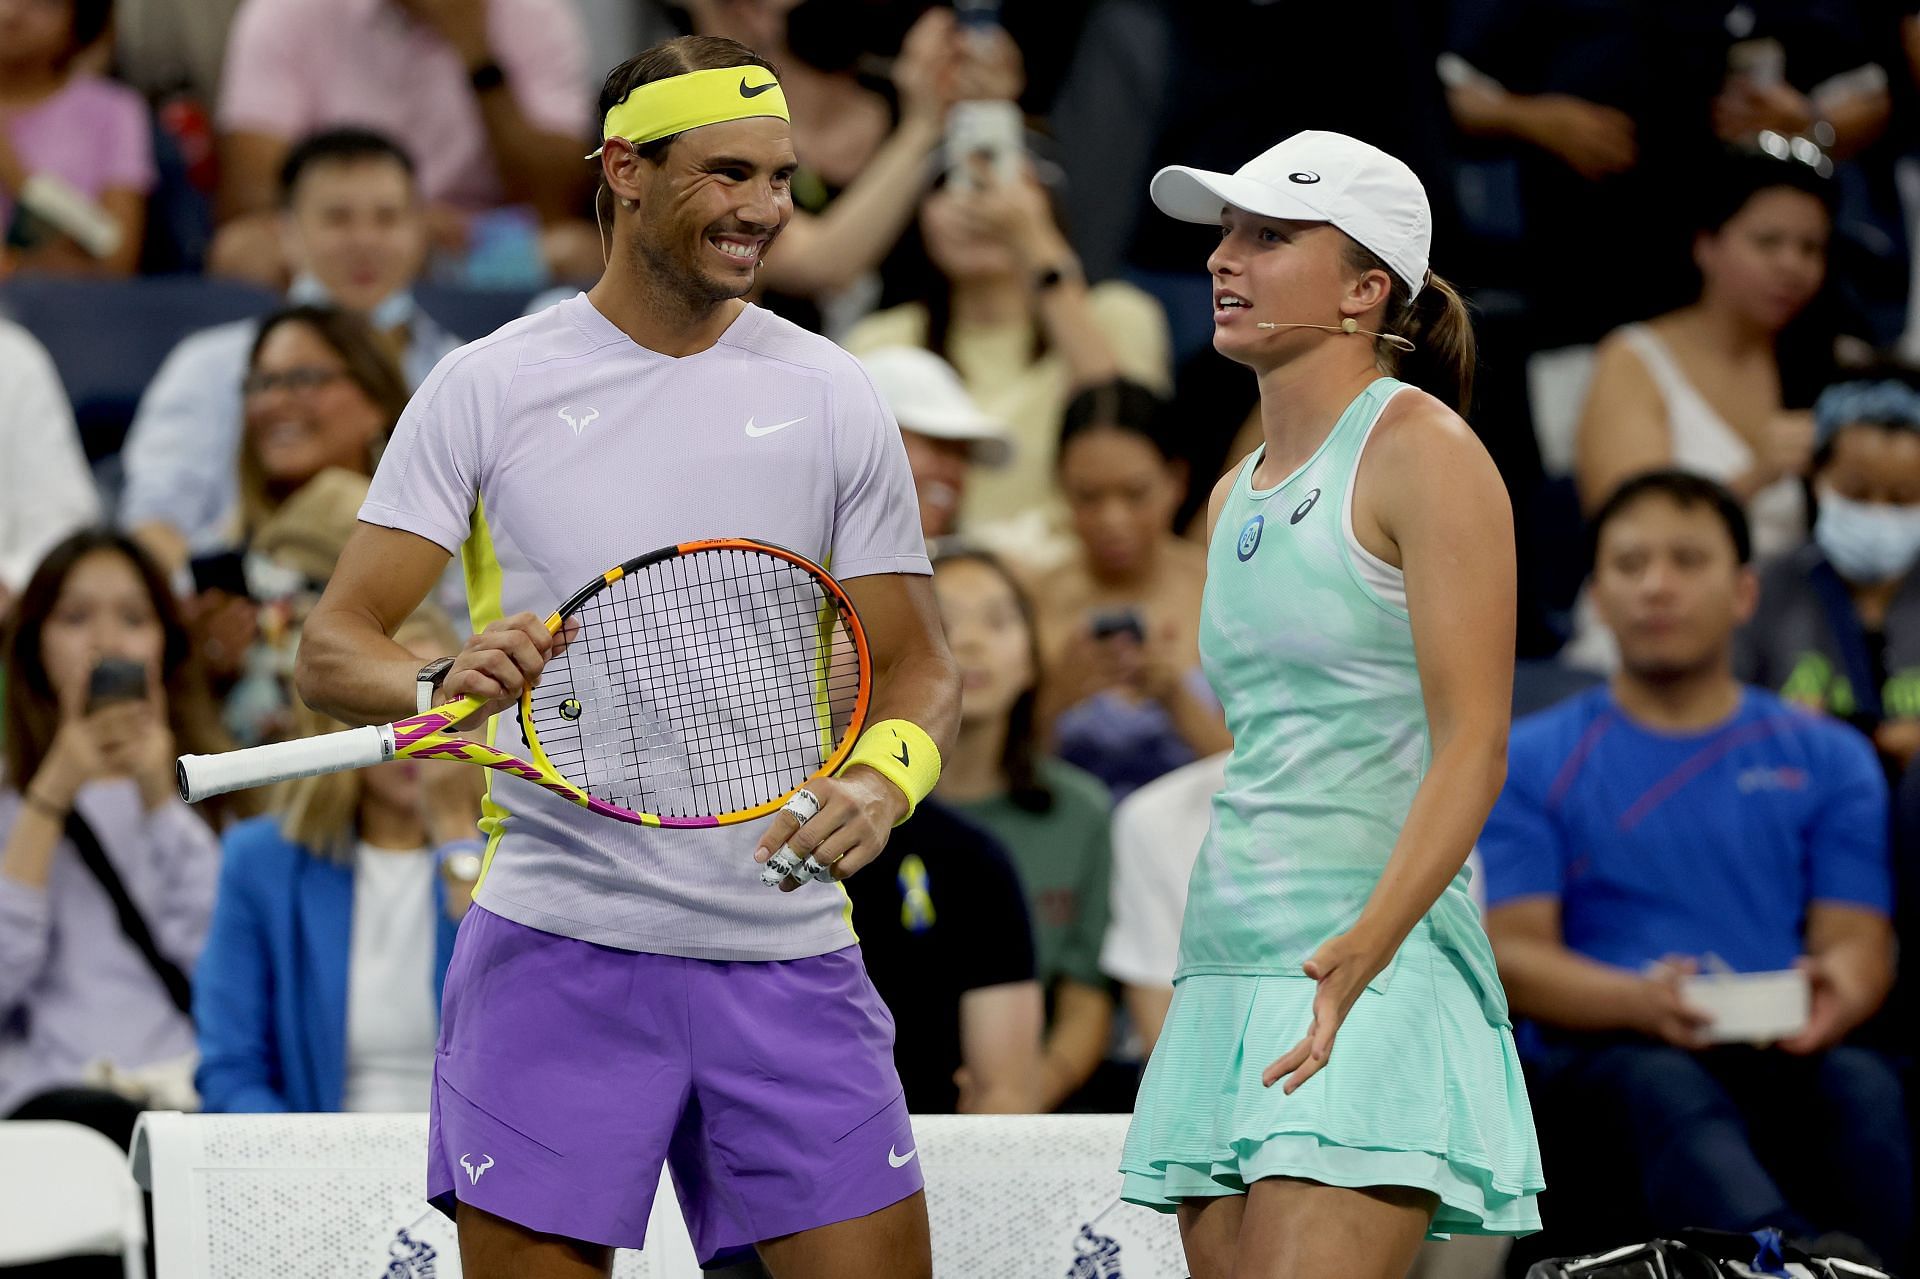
(1663, 1012)
(502, 662)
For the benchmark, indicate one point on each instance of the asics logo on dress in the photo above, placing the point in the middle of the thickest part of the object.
(1300, 512)
(901, 1161)
(473, 1171)
(757, 431)
(580, 423)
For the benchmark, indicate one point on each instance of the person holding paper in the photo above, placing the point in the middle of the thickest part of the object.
(1675, 823)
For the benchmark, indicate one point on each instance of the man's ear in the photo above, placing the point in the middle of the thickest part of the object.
(624, 172)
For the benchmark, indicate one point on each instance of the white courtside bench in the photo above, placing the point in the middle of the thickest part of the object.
(343, 1197)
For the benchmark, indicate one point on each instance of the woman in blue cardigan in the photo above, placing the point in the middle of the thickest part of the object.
(319, 986)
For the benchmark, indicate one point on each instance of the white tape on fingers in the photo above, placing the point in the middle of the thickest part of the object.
(786, 864)
(203, 776)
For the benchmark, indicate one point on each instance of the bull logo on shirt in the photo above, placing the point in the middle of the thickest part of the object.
(580, 423)
(473, 1170)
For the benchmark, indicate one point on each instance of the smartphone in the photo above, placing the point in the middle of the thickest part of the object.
(1119, 621)
(224, 571)
(986, 144)
(116, 679)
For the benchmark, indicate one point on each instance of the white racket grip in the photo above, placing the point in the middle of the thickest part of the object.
(786, 862)
(203, 776)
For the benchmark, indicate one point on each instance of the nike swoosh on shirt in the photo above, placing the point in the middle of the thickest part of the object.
(901, 1161)
(757, 431)
(745, 92)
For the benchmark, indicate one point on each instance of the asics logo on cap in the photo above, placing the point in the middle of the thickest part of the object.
(1304, 178)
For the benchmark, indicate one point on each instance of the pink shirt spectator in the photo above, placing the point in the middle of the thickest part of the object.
(295, 66)
(94, 133)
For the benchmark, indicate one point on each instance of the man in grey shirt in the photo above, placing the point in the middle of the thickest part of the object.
(356, 231)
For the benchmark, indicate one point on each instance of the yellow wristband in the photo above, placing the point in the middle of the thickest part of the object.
(900, 751)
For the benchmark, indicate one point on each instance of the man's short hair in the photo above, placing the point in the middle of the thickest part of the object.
(1685, 490)
(339, 146)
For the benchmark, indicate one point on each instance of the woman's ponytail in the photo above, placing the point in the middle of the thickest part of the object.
(1439, 326)
(1442, 360)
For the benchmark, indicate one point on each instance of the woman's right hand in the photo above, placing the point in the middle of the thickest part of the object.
(113, 741)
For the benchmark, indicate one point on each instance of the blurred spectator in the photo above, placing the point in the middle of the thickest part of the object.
(1157, 833)
(1838, 625)
(944, 933)
(1605, 111)
(319, 988)
(321, 398)
(106, 878)
(1051, 817)
(76, 151)
(1678, 822)
(1009, 308)
(1709, 388)
(862, 173)
(355, 233)
(46, 490)
(945, 432)
(489, 97)
(1123, 695)
(164, 47)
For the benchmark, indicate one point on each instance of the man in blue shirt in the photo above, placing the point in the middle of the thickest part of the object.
(356, 232)
(1673, 821)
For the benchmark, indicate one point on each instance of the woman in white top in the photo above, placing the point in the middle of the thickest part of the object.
(319, 988)
(1701, 388)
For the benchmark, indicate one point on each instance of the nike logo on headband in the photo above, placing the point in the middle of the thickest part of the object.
(745, 92)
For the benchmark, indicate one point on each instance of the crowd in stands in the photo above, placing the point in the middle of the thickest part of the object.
(1690, 234)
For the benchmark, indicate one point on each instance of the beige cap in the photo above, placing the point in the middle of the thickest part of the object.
(928, 398)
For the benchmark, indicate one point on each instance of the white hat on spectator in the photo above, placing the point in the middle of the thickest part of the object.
(928, 398)
(1317, 177)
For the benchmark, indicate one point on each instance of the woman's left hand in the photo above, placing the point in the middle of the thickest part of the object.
(1342, 967)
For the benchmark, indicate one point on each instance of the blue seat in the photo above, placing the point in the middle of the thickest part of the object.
(108, 337)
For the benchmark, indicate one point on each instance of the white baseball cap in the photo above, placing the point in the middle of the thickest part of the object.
(1317, 177)
(928, 398)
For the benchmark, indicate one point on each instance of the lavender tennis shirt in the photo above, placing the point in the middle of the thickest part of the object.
(73, 989)
(557, 448)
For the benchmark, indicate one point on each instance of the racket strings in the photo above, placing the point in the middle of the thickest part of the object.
(700, 685)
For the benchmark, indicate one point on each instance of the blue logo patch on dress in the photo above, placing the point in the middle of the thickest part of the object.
(1250, 537)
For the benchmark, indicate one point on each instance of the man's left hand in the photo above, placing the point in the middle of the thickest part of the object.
(1830, 1014)
(857, 813)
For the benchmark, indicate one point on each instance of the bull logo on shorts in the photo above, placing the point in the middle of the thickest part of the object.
(473, 1173)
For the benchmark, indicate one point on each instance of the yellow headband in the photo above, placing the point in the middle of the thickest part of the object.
(687, 101)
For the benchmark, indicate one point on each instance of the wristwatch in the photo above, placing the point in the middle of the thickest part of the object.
(428, 681)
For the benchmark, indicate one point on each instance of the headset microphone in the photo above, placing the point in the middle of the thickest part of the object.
(1348, 325)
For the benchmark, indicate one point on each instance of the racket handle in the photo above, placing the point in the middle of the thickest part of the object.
(203, 776)
(786, 863)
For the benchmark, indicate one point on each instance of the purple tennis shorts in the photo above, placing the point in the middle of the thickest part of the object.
(568, 1071)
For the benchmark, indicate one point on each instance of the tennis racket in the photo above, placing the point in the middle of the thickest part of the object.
(702, 684)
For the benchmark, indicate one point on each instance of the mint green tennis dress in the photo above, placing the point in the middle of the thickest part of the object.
(1306, 639)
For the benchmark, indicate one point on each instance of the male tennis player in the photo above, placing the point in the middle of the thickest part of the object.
(622, 995)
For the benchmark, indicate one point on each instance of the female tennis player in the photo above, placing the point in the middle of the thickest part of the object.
(1336, 1079)
(622, 995)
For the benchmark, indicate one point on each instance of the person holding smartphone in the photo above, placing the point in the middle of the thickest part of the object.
(106, 878)
(1119, 622)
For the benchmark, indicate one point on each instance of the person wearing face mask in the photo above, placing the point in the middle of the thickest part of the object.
(353, 225)
(1838, 624)
(106, 878)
